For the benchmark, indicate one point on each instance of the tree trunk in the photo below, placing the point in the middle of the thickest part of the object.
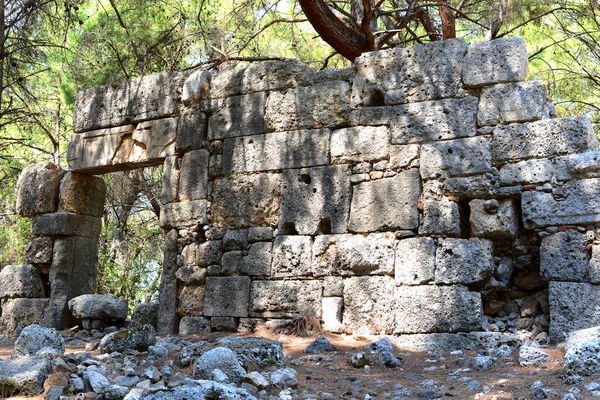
(448, 21)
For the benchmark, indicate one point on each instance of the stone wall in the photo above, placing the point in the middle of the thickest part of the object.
(424, 191)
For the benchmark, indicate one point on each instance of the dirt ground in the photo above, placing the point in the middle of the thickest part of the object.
(332, 374)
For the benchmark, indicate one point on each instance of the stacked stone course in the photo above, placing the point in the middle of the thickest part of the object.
(406, 194)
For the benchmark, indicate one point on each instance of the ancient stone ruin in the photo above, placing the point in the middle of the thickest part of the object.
(426, 192)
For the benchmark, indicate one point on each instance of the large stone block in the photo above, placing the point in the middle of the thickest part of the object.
(440, 309)
(20, 281)
(369, 303)
(66, 224)
(434, 120)
(196, 87)
(82, 194)
(455, 158)
(238, 116)
(166, 322)
(192, 130)
(227, 296)
(386, 204)
(349, 255)
(543, 138)
(578, 166)
(94, 151)
(574, 203)
(494, 219)
(573, 306)
(241, 201)
(440, 218)
(415, 261)
(512, 102)
(170, 180)
(202, 254)
(468, 187)
(19, 313)
(360, 143)
(316, 200)
(527, 172)
(38, 188)
(185, 213)
(404, 75)
(325, 104)
(285, 299)
(39, 250)
(404, 157)
(496, 61)
(149, 144)
(147, 97)
(463, 261)
(254, 262)
(226, 83)
(274, 151)
(193, 176)
(98, 306)
(23, 375)
(190, 301)
(563, 257)
(292, 256)
(594, 265)
(276, 75)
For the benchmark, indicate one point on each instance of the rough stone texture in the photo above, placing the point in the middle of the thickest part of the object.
(219, 299)
(496, 61)
(418, 73)
(260, 234)
(360, 143)
(434, 120)
(147, 97)
(275, 75)
(463, 261)
(369, 304)
(235, 240)
(543, 138)
(349, 255)
(292, 257)
(573, 306)
(37, 189)
(192, 130)
(167, 302)
(386, 204)
(210, 389)
(582, 352)
(20, 281)
(415, 261)
(34, 338)
(441, 309)
(98, 306)
(193, 176)
(478, 186)
(202, 255)
(331, 314)
(532, 356)
(170, 180)
(190, 300)
(19, 313)
(255, 352)
(308, 107)
(196, 87)
(39, 250)
(238, 116)
(255, 262)
(274, 151)
(194, 325)
(82, 194)
(26, 373)
(316, 200)
(151, 141)
(66, 224)
(440, 218)
(594, 265)
(240, 201)
(224, 324)
(494, 219)
(512, 102)
(404, 156)
(191, 274)
(94, 151)
(219, 358)
(285, 299)
(455, 158)
(185, 213)
(145, 314)
(134, 338)
(574, 203)
(527, 172)
(563, 257)
(577, 166)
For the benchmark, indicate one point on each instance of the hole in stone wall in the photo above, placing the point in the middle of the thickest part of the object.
(377, 99)
(305, 178)
(289, 228)
(464, 212)
(325, 226)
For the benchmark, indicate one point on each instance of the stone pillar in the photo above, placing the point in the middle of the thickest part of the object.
(167, 309)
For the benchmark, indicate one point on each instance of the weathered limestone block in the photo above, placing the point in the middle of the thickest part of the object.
(191, 274)
(332, 313)
(238, 116)
(260, 234)
(333, 286)
(39, 250)
(168, 300)
(441, 309)
(20, 281)
(170, 180)
(235, 239)
(440, 218)
(494, 219)
(23, 375)
(19, 313)
(66, 224)
(468, 187)
(193, 176)
(98, 306)
(227, 296)
(463, 261)
(316, 200)
(276, 75)
(325, 104)
(403, 75)
(527, 172)
(404, 156)
(240, 201)
(226, 84)
(82, 194)
(455, 158)
(196, 87)
(37, 189)
(574, 203)
(194, 325)
(192, 130)
(202, 254)
(582, 357)
(94, 151)
(360, 143)
(147, 97)
(292, 256)
(386, 204)
(349, 255)
(285, 299)
(254, 262)
(496, 61)
(434, 120)
(371, 116)
(563, 257)
(543, 138)
(594, 265)
(415, 261)
(512, 102)
(573, 306)
(369, 304)
(145, 314)
(577, 166)
(190, 301)
(149, 144)
(274, 151)
(185, 213)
